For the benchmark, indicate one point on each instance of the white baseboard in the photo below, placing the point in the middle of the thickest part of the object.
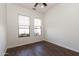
(64, 46)
(24, 44)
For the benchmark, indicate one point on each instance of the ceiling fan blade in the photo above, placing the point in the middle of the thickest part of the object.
(44, 4)
(35, 4)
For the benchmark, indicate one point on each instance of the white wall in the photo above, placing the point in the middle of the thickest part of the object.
(62, 25)
(12, 18)
(2, 30)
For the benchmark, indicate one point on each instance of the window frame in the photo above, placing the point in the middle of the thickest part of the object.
(24, 25)
(38, 26)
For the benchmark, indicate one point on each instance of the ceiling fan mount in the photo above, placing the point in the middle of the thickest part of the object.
(41, 4)
(36, 4)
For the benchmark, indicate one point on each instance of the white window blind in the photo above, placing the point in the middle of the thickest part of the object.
(24, 26)
(37, 26)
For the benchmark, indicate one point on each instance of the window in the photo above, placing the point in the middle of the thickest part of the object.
(24, 26)
(37, 27)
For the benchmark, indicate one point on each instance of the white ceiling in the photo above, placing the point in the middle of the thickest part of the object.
(38, 9)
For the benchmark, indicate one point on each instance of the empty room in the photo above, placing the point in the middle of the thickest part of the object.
(39, 29)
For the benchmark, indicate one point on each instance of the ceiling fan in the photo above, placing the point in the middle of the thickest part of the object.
(42, 5)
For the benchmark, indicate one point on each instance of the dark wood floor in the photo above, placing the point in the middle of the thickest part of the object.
(42, 48)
